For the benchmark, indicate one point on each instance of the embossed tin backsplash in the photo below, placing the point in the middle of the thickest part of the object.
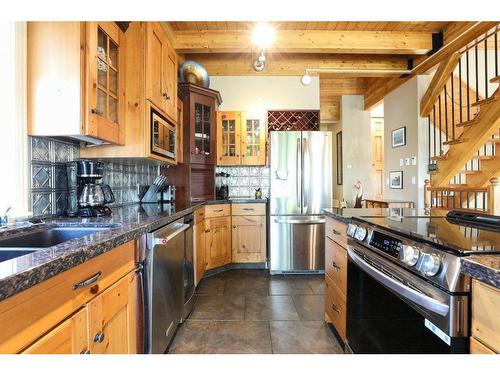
(48, 177)
(243, 181)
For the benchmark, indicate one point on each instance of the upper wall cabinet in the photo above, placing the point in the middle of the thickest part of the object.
(241, 140)
(161, 70)
(151, 112)
(200, 106)
(76, 80)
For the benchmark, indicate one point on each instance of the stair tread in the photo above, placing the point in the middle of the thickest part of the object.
(495, 79)
(483, 101)
(493, 140)
(454, 141)
(483, 157)
(439, 157)
(466, 123)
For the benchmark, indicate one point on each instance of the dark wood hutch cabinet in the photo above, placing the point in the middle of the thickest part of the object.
(194, 178)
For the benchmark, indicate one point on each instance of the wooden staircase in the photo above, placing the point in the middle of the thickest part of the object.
(464, 130)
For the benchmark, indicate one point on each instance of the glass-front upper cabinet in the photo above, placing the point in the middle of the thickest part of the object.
(241, 140)
(106, 80)
(228, 138)
(200, 123)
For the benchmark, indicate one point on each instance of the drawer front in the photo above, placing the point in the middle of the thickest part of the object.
(248, 209)
(336, 264)
(337, 231)
(217, 210)
(26, 316)
(199, 215)
(477, 347)
(335, 307)
(485, 316)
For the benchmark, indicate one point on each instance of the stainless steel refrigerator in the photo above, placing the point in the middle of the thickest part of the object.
(301, 179)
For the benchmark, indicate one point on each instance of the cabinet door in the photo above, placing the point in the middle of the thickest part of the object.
(203, 130)
(69, 337)
(199, 250)
(106, 74)
(155, 64)
(253, 141)
(170, 81)
(228, 138)
(217, 241)
(249, 239)
(112, 319)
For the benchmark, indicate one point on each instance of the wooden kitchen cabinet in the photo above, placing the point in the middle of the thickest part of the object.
(150, 97)
(39, 319)
(76, 81)
(217, 241)
(248, 239)
(336, 275)
(240, 140)
(112, 319)
(69, 337)
(249, 236)
(199, 123)
(485, 319)
(161, 70)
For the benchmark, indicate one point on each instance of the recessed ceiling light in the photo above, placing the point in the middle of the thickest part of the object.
(263, 35)
(306, 79)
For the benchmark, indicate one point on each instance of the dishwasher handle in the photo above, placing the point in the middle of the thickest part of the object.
(164, 240)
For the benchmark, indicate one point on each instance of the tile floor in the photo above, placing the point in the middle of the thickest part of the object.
(248, 312)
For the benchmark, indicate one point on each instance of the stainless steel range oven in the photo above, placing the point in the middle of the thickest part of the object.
(163, 136)
(403, 296)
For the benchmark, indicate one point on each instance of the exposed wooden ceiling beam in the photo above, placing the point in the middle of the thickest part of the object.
(309, 41)
(237, 64)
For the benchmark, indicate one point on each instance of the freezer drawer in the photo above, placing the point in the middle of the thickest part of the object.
(297, 243)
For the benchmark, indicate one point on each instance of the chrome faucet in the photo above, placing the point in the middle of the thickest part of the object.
(4, 220)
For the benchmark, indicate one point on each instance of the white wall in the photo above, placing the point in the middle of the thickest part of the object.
(257, 94)
(356, 144)
(402, 108)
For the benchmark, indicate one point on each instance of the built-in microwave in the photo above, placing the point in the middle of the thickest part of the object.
(163, 136)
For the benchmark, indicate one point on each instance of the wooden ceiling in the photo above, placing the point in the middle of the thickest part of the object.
(352, 26)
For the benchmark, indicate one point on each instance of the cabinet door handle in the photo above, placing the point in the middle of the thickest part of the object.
(95, 111)
(335, 308)
(166, 96)
(85, 352)
(99, 337)
(336, 266)
(336, 232)
(207, 230)
(89, 281)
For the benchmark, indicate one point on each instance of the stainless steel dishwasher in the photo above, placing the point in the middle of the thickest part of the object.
(165, 263)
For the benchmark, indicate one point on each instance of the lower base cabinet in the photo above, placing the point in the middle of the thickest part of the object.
(69, 337)
(249, 239)
(199, 246)
(217, 241)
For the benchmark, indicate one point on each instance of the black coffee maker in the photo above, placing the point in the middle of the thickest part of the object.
(87, 197)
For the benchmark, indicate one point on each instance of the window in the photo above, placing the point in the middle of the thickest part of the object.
(13, 129)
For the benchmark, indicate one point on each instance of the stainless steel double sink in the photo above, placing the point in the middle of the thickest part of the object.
(41, 238)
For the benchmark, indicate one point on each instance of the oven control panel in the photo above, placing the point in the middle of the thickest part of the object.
(387, 244)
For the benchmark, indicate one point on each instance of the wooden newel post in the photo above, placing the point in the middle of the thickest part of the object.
(427, 193)
(493, 195)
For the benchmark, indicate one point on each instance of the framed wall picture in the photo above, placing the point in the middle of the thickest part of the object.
(339, 159)
(396, 180)
(399, 137)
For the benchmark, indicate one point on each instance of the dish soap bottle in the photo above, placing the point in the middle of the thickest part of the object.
(258, 193)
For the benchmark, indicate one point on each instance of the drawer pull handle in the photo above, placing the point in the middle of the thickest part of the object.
(219, 210)
(248, 209)
(335, 308)
(85, 352)
(336, 266)
(89, 281)
(336, 232)
(99, 337)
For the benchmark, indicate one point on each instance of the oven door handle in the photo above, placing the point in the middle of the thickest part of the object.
(416, 297)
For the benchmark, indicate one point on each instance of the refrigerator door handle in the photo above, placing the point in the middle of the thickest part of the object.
(299, 221)
(305, 173)
(298, 181)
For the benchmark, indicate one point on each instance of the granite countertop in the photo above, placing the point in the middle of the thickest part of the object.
(485, 268)
(125, 224)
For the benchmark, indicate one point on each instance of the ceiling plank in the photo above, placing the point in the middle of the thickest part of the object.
(309, 41)
(236, 64)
